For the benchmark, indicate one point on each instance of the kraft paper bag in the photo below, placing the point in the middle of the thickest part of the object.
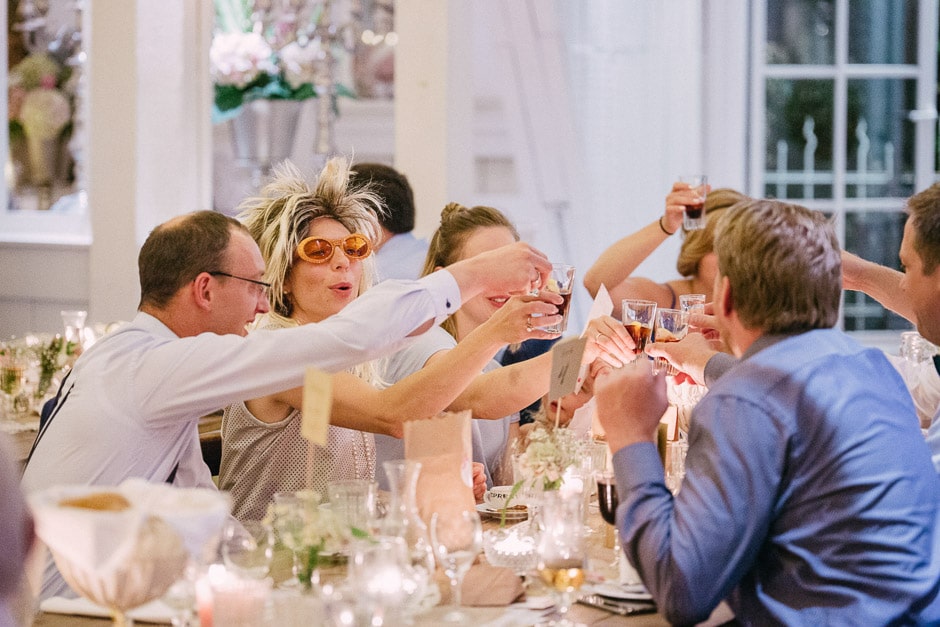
(442, 445)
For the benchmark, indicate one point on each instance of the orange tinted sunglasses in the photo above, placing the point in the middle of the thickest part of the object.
(319, 250)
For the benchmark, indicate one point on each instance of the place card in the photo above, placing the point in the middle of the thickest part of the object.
(317, 403)
(566, 365)
(603, 305)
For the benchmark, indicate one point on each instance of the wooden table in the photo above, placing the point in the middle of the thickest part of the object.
(600, 556)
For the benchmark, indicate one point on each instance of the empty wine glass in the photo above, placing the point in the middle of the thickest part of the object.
(457, 540)
(248, 548)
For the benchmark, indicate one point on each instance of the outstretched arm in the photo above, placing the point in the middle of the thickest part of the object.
(430, 390)
(615, 265)
(880, 282)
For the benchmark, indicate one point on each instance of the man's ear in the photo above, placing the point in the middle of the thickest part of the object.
(201, 290)
(725, 299)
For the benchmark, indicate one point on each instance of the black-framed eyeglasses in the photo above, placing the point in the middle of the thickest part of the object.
(265, 286)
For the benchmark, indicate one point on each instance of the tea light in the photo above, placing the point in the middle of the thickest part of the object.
(224, 598)
(514, 544)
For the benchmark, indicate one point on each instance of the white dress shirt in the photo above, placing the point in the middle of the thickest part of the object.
(139, 393)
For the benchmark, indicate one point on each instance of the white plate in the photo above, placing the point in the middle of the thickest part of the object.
(511, 514)
(623, 593)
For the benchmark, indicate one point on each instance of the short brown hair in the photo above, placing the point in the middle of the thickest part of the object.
(699, 243)
(178, 250)
(783, 263)
(924, 211)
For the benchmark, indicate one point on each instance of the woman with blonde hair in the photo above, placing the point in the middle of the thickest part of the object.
(696, 262)
(497, 395)
(317, 247)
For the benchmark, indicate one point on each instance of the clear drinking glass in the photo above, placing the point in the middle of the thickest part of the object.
(671, 326)
(457, 540)
(290, 518)
(694, 218)
(560, 281)
(248, 548)
(638, 317)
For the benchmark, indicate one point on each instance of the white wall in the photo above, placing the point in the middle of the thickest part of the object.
(574, 117)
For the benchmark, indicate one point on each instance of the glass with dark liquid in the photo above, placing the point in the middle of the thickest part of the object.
(694, 218)
(561, 281)
(638, 317)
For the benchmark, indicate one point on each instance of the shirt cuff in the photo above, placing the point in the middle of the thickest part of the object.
(716, 366)
(445, 292)
(636, 465)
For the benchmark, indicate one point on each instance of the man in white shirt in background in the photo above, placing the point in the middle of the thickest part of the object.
(398, 254)
(132, 402)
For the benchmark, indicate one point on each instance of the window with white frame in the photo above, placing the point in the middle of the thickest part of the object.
(844, 107)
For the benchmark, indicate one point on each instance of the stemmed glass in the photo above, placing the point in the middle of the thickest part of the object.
(457, 540)
(562, 551)
(248, 548)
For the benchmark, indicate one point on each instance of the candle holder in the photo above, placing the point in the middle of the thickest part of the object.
(511, 548)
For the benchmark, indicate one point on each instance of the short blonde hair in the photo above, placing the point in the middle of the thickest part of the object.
(457, 224)
(280, 217)
(784, 266)
(699, 243)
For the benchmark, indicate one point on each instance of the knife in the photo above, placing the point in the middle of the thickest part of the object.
(623, 608)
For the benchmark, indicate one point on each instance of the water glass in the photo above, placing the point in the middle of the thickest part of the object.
(457, 540)
(387, 586)
(353, 502)
(248, 548)
(676, 451)
(694, 218)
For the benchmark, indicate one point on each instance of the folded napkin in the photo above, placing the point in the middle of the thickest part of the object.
(153, 612)
(484, 585)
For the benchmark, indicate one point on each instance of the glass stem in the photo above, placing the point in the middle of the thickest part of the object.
(455, 592)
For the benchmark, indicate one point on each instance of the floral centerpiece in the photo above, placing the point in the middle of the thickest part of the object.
(542, 461)
(256, 54)
(309, 531)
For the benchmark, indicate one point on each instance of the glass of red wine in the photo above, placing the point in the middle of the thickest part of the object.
(607, 503)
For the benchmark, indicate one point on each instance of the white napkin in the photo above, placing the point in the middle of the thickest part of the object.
(153, 612)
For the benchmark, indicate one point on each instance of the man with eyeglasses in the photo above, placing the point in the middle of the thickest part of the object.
(131, 405)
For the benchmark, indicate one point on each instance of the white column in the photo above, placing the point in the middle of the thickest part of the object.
(149, 135)
(434, 103)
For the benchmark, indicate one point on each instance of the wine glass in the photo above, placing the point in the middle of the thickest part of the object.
(248, 548)
(607, 502)
(457, 540)
(562, 550)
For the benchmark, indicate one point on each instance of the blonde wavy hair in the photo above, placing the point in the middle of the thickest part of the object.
(699, 243)
(457, 224)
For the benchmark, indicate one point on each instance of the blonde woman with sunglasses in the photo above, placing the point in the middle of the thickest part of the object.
(317, 248)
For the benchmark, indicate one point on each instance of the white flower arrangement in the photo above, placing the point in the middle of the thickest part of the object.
(549, 452)
(237, 59)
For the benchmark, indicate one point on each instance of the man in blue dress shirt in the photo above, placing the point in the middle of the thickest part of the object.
(809, 495)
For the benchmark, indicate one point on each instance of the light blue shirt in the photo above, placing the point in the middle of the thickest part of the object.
(401, 257)
(809, 496)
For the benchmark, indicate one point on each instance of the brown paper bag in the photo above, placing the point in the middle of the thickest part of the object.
(442, 445)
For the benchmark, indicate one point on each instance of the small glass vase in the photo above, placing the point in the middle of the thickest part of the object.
(403, 519)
